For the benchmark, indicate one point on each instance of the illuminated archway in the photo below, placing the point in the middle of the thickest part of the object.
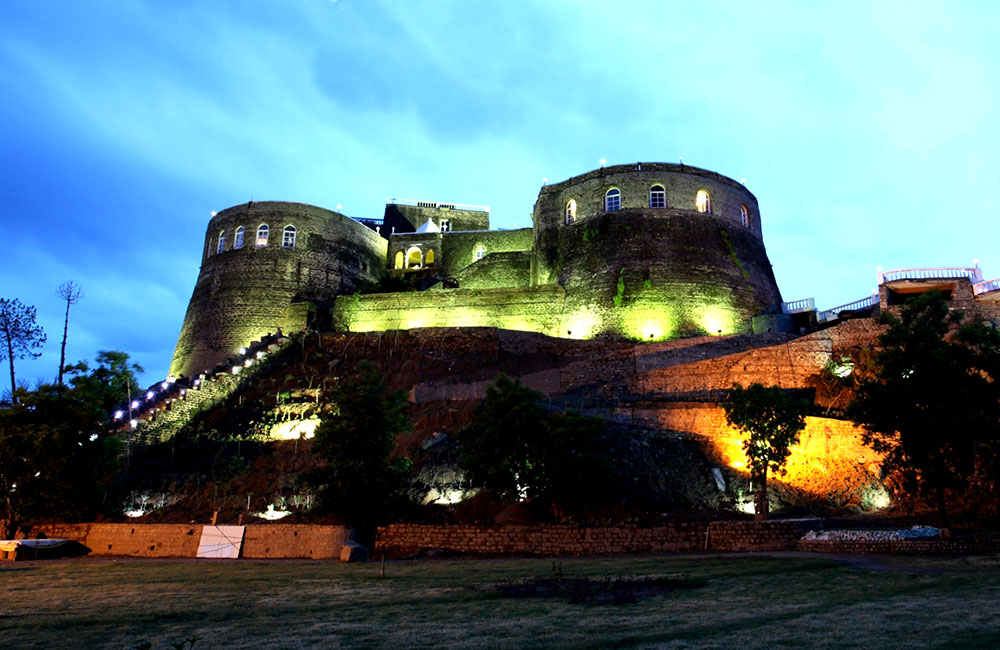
(414, 258)
(429, 258)
(399, 260)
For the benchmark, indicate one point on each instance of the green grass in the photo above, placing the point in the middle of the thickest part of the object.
(745, 602)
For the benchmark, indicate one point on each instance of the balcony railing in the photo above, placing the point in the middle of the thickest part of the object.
(439, 205)
(989, 286)
(368, 221)
(798, 306)
(931, 273)
(864, 303)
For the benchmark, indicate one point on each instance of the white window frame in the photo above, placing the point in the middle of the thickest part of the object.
(222, 243)
(658, 197)
(571, 211)
(706, 207)
(745, 215)
(613, 200)
(288, 237)
(238, 238)
(480, 253)
(263, 232)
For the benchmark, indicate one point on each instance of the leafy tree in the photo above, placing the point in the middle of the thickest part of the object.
(359, 482)
(932, 405)
(516, 450)
(72, 293)
(110, 384)
(20, 336)
(772, 421)
(54, 456)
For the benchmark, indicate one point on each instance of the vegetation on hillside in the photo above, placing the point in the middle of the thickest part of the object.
(932, 405)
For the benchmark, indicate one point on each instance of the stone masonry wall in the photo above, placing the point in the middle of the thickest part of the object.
(408, 539)
(532, 310)
(180, 540)
(243, 294)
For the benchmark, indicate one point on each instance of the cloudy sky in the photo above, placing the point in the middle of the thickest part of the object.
(868, 131)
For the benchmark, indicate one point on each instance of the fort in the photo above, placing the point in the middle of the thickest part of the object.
(648, 252)
(640, 294)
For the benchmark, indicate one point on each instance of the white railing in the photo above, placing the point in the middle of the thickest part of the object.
(864, 303)
(797, 306)
(980, 288)
(931, 273)
(438, 204)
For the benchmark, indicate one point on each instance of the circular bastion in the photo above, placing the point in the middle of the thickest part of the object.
(259, 259)
(651, 251)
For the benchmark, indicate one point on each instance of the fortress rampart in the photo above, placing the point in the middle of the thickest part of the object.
(250, 278)
(648, 252)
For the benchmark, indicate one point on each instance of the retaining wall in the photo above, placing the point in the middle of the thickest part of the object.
(181, 540)
(407, 539)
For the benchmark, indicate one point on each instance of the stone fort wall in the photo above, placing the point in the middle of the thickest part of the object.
(244, 293)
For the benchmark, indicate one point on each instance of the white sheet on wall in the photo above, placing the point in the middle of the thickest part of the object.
(221, 541)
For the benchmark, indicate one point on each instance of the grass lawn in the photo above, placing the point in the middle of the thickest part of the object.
(732, 601)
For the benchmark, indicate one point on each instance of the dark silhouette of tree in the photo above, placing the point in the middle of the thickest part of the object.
(110, 383)
(772, 421)
(932, 406)
(55, 455)
(72, 293)
(359, 482)
(518, 451)
(20, 336)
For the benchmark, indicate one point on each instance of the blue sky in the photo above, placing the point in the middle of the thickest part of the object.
(867, 131)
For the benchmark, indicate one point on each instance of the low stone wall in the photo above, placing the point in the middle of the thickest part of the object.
(181, 540)
(407, 539)
(962, 546)
(133, 540)
(314, 541)
(779, 535)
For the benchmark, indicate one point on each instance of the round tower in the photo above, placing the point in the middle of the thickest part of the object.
(652, 251)
(259, 260)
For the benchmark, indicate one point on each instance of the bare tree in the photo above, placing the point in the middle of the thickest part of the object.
(72, 293)
(19, 334)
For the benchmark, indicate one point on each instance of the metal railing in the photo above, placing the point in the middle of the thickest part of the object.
(438, 205)
(864, 303)
(798, 306)
(988, 286)
(368, 221)
(974, 274)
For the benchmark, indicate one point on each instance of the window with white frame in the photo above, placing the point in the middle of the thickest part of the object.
(446, 225)
(262, 231)
(745, 215)
(480, 253)
(571, 211)
(657, 197)
(238, 239)
(222, 242)
(288, 237)
(613, 200)
(703, 202)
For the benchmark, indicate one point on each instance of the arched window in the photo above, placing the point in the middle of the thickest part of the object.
(288, 237)
(429, 258)
(657, 197)
(703, 202)
(613, 201)
(399, 259)
(238, 239)
(480, 253)
(745, 215)
(262, 235)
(414, 258)
(571, 211)
(222, 242)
